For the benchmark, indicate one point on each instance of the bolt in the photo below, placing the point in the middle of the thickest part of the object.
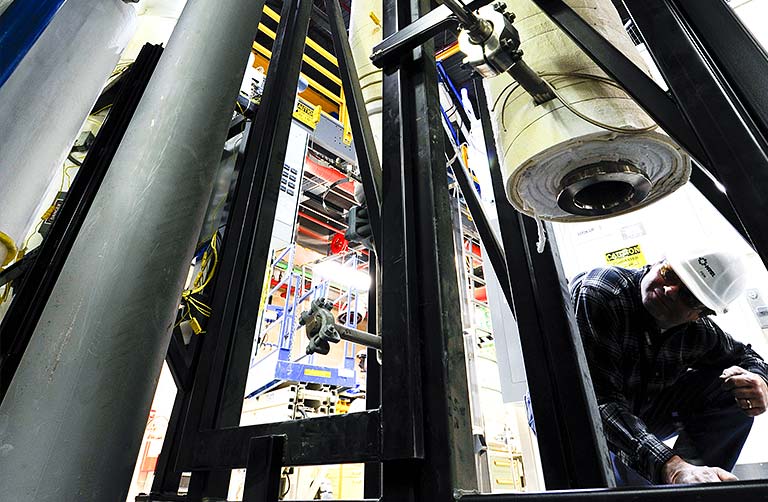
(499, 6)
(509, 16)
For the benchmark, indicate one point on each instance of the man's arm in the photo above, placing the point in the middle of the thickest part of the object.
(725, 351)
(745, 373)
(599, 327)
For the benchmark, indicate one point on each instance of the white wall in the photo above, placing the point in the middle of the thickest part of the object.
(685, 220)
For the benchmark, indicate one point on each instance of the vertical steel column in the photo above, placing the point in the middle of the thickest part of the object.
(574, 453)
(262, 474)
(646, 93)
(365, 147)
(217, 396)
(720, 31)
(372, 473)
(78, 403)
(425, 407)
(734, 144)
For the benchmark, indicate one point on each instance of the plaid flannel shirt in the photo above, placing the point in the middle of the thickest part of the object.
(631, 361)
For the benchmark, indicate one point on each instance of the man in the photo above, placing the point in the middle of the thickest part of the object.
(660, 367)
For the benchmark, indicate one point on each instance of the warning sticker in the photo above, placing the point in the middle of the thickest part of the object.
(628, 257)
(307, 114)
(317, 373)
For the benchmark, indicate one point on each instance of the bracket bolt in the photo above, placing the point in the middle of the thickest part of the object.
(499, 6)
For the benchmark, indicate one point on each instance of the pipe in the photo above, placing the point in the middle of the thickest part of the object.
(21, 24)
(359, 337)
(590, 153)
(73, 419)
(45, 101)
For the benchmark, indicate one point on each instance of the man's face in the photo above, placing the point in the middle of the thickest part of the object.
(667, 299)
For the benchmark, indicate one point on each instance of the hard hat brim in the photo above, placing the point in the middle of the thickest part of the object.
(702, 293)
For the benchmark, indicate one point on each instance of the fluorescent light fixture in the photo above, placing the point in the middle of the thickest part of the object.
(342, 274)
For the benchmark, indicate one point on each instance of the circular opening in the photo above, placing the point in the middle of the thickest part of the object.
(603, 188)
(604, 195)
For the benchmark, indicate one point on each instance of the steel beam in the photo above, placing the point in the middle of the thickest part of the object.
(646, 93)
(708, 492)
(493, 249)
(720, 31)
(262, 474)
(734, 147)
(387, 54)
(217, 394)
(425, 405)
(365, 146)
(352, 437)
(573, 450)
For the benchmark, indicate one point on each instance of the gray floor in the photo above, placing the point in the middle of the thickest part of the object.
(751, 471)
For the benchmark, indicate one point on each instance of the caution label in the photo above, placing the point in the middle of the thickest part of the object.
(307, 114)
(628, 257)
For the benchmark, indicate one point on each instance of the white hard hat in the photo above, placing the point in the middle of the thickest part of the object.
(716, 278)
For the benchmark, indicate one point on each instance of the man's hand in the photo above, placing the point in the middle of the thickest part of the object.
(677, 472)
(749, 390)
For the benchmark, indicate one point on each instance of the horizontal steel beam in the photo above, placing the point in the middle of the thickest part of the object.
(350, 438)
(714, 492)
(388, 53)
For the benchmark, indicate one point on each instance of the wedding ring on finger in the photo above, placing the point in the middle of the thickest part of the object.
(749, 404)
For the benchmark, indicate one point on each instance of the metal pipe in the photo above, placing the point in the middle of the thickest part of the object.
(20, 27)
(74, 415)
(360, 337)
(53, 71)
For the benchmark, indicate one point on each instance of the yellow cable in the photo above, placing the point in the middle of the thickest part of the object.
(10, 245)
(7, 293)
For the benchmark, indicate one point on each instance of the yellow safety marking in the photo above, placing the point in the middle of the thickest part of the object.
(317, 373)
(346, 136)
(311, 62)
(307, 114)
(628, 257)
(311, 43)
(10, 245)
(375, 19)
(448, 53)
(323, 90)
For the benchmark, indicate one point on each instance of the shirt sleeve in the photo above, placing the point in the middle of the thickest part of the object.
(627, 434)
(727, 352)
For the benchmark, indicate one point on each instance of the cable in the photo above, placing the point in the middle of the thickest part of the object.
(569, 106)
(72, 159)
(333, 185)
(287, 483)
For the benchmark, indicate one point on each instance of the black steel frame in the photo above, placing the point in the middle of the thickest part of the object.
(420, 433)
(204, 436)
(43, 268)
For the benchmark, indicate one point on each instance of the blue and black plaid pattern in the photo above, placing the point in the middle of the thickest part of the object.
(631, 360)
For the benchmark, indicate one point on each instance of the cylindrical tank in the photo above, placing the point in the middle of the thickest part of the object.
(365, 32)
(558, 166)
(47, 98)
(72, 420)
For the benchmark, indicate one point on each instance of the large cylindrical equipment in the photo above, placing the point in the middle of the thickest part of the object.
(47, 98)
(365, 32)
(558, 166)
(72, 420)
